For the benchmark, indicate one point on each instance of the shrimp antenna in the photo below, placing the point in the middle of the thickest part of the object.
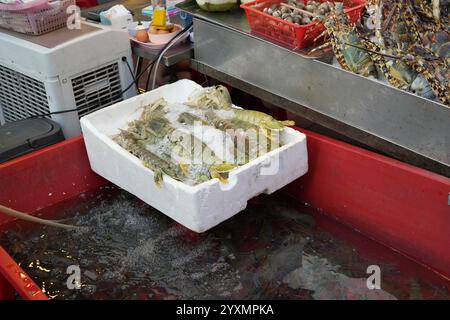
(373, 51)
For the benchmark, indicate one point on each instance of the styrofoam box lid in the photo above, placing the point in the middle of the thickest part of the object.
(198, 207)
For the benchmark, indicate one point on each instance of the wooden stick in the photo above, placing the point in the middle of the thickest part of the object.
(297, 9)
(27, 217)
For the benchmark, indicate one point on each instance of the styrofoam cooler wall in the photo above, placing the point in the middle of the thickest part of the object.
(199, 207)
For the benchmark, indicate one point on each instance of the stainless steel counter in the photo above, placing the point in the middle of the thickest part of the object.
(392, 121)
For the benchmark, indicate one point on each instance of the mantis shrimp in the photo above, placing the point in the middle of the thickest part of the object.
(157, 164)
(218, 98)
(165, 149)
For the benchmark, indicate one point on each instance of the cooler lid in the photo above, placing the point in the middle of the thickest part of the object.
(21, 137)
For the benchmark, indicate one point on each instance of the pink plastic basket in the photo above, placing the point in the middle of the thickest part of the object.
(37, 22)
(25, 7)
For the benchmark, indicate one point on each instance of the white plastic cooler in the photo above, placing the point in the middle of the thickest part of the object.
(199, 207)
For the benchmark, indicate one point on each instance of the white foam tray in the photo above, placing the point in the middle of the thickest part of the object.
(199, 207)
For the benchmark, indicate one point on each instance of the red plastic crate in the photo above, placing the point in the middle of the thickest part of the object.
(289, 34)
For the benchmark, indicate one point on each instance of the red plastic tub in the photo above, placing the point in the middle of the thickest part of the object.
(289, 34)
(398, 205)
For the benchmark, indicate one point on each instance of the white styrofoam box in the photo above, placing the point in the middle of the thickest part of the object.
(199, 207)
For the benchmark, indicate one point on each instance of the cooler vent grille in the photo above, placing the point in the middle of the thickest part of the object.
(97, 89)
(21, 96)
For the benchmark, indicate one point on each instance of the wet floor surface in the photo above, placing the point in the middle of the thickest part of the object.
(272, 250)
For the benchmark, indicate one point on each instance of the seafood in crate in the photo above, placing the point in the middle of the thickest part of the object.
(294, 24)
(173, 149)
(191, 154)
(171, 146)
(299, 12)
